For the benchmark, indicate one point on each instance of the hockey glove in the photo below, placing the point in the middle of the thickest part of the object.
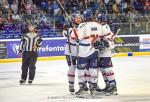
(101, 44)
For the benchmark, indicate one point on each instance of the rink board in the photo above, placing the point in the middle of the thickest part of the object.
(63, 57)
(53, 48)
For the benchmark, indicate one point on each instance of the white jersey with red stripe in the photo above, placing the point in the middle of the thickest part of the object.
(106, 52)
(71, 44)
(88, 32)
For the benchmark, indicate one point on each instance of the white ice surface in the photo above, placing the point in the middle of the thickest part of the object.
(50, 84)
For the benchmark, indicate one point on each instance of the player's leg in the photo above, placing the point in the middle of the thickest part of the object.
(81, 65)
(98, 88)
(93, 72)
(102, 65)
(32, 67)
(71, 72)
(24, 68)
(112, 89)
(87, 78)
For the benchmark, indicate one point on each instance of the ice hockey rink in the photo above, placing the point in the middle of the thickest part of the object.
(50, 84)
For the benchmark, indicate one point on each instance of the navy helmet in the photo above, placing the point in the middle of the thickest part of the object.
(102, 17)
(87, 14)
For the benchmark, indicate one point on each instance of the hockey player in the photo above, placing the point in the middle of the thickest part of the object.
(105, 62)
(88, 33)
(71, 49)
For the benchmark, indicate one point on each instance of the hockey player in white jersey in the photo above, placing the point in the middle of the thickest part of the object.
(88, 32)
(71, 48)
(105, 62)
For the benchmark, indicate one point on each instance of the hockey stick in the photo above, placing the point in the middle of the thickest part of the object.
(67, 16)
(114, 36)
(113, 50)
(118, 30)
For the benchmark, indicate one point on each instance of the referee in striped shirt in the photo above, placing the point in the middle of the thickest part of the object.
(28, 49)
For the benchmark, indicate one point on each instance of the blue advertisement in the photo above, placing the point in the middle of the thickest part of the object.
(50, 47)
(12, 49)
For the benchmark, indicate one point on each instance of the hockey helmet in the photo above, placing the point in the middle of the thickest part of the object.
(76, 17)
(87, 14)
(102, 17)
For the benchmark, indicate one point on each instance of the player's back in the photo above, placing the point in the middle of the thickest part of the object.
(87, 29)
(86, 34)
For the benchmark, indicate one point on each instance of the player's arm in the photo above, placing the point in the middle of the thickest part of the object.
(38, 43)
(81, 31)
(106, 40)
(21, 46)
(108, 37)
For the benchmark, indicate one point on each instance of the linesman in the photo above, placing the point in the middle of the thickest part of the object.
(29, 44)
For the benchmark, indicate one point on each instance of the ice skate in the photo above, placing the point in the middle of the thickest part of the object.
(112, 90)
(95, 90)
(86, 87)
(99, 91)
(106, 87)
(81, 93)
(71, 90)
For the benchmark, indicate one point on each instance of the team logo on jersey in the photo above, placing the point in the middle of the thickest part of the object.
(82, 65)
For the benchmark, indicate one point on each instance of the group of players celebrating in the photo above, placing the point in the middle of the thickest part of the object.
(88, 51)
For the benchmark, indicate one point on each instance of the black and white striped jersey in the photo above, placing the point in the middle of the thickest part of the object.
(29, 41)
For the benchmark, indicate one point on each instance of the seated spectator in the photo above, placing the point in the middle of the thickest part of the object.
(29, 8)
(109, 7)
(2, 19)
(55, 8)
(6, 7)
(22, 7)
(14, 7)
(44, 5)
(123, 7)
(147, 6)
(115, 8)
(139, 6)
(16, 17)
(106, 2)
(10, 2)
(102, 8)
(9, 17)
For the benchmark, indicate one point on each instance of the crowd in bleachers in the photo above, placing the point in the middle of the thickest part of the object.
(48, 16)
